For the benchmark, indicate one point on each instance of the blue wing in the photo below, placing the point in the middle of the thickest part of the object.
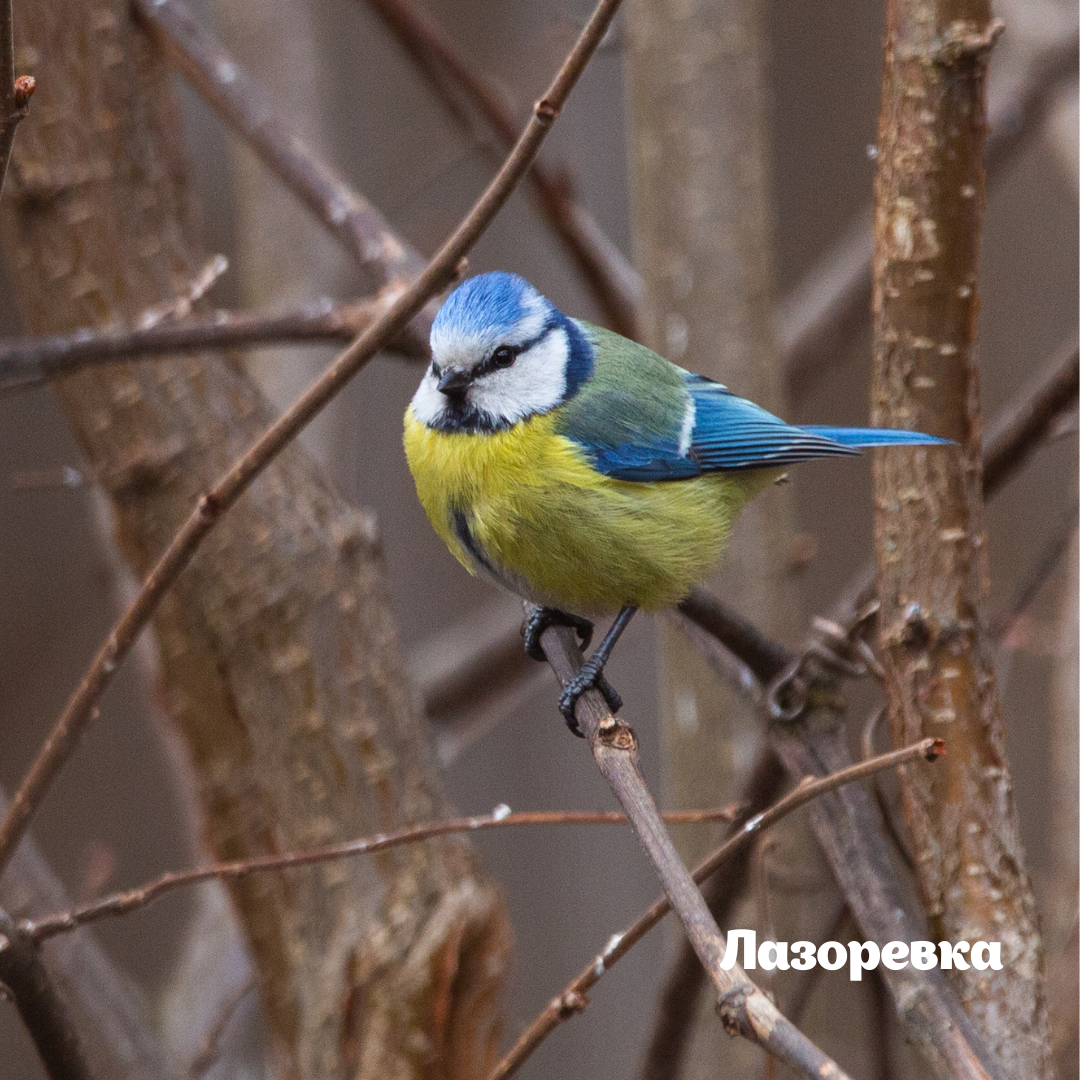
(726, 432)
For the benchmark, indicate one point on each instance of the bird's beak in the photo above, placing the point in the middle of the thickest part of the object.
(454, 382)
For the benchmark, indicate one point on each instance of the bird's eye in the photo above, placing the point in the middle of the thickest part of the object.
(503, 356)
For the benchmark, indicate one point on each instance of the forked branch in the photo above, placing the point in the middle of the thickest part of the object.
(743, 1008)
(572, 1000)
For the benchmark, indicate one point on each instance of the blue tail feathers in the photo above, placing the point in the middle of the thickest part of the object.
(861, 437)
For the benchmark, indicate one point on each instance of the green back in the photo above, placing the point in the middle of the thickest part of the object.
(634, 396)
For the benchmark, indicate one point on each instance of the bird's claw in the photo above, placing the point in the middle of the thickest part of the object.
(589, 677)
(539, 619)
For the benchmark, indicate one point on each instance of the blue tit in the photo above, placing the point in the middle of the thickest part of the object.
(583, 471)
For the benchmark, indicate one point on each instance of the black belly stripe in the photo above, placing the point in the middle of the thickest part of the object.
(468, 541)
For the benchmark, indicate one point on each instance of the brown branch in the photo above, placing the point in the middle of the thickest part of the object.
(63, 739)
(241, 103)
(676, 1007)
(122, 903)
(613, 282)
(14, 92)
(743, 1008)
(572, 999)
(41, 1008)
(33, 361)
(833, 299)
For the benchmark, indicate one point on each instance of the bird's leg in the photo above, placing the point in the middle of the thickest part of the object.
(539, 619)
(591, 675)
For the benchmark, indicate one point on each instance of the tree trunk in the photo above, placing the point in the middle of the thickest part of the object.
(929, 538)
(703, 245)
(280, 660)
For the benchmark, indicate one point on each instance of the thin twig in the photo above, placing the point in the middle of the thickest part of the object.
(613, 281)
(239, 100)
(41, 1008)
(122, 903)
(34, 361)
(63, 739)
(572, 999)
(743, 1008)
(14, 92)
(833, 300)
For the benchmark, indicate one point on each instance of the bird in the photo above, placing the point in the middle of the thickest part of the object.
(583, 471)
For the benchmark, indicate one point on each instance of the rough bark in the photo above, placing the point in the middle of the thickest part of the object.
(702, 243)
(929, 539)
(280, 660)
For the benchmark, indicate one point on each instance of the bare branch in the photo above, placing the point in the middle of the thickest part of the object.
(743, 1008)
(107, 1011)
(64, 738)
(676, 1007)
(41, 1008)
(613, 281)
(34, 361)
(14, 92)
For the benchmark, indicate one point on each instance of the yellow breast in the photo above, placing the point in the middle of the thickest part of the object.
(553, 529)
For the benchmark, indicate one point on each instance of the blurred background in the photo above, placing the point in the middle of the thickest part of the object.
(117, 816)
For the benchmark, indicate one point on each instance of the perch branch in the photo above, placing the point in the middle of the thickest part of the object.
(612, 280)
(41, 1008)
(572, 999)
(743, 1008)
(64, 737)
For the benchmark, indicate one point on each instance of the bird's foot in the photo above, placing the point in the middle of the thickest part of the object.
(589, 677)
(541, 618)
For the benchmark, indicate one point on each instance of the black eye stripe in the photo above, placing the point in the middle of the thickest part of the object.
(489, 365)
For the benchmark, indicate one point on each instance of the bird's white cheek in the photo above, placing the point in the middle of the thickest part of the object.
(535, 384)
(428, 402)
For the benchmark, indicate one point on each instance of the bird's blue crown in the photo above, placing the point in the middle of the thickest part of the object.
(491, 304)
